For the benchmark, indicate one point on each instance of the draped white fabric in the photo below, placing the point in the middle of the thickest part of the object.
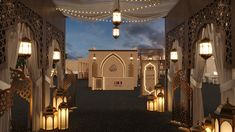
(12, 40)
(35, 75)
(174, 67)
(217, 37)
(196, 83)
(132, 11)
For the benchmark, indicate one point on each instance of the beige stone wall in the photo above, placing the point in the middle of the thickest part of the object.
(113, 67)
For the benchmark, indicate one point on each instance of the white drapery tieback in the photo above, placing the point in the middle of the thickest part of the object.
(48, 79)
(39, 81)
(4, 85)
(227, 85)
(169, 78)
(195, 83)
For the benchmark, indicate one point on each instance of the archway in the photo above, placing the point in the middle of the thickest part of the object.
(217, 38)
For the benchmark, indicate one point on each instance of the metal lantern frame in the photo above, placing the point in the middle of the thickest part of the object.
(63, 116)
(117, 13)
(205, 41)
(50, 112)
(225, 113)
(21, 54)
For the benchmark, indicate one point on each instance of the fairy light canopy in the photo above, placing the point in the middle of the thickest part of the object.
(134, 11)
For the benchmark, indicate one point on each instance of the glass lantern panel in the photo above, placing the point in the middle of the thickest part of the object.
(25, 48)
(117, 16)
(205, 48)
(226, 127)
(174, 55)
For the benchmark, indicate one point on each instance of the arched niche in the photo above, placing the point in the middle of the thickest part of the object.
(150, 77)
(113, 66)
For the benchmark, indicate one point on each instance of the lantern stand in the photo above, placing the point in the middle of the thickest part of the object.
(205, 48)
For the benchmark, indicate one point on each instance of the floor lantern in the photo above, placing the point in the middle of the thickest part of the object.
(50, 119)
(224, 117)
(160, 102)
(63, 116)
(151, 103)
(59, 98)
(208, 124)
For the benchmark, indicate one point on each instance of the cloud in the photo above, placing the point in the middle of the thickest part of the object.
(144, 36)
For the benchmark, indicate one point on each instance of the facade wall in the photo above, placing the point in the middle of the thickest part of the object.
(112, 69)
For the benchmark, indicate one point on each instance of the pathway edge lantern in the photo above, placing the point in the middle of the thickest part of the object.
(63, 116)
(50, 118)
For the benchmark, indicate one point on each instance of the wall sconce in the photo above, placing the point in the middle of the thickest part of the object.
(205, 48)
(174, 55)
(63, 116)
(160, 102)
(151, 103)
(224, 118)
(131, 57)
(59, 98)
(94, 57)
(50, 118)
(116, 32)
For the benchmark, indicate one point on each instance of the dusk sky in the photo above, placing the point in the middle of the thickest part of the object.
(82, 36)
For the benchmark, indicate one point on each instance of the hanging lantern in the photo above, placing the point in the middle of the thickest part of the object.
(50, 118)
(63, 116)
(117, 19)
(224, 117)
(56, 55)
(131, 58)
(205, 48)
(59, 98)
(208, 124)
(174, 55)
(151, 103)
(116, 32)
(25, 49)
(160, 102)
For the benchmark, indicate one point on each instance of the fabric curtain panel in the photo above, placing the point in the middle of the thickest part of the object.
(35, 75)
(217, 36)
(196, 82)
(13, 40)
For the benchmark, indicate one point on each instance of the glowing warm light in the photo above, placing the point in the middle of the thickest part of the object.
(56, 55)
(116, 32)
(205, 48)
(174, 55)
(59, 98)
(208, 130)
(50, 118)
(63, 122)
(117, 19)
(226, 127)
(94, 57)
(152, 103)
(25, 49)
(215, 73)
(160, 102)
